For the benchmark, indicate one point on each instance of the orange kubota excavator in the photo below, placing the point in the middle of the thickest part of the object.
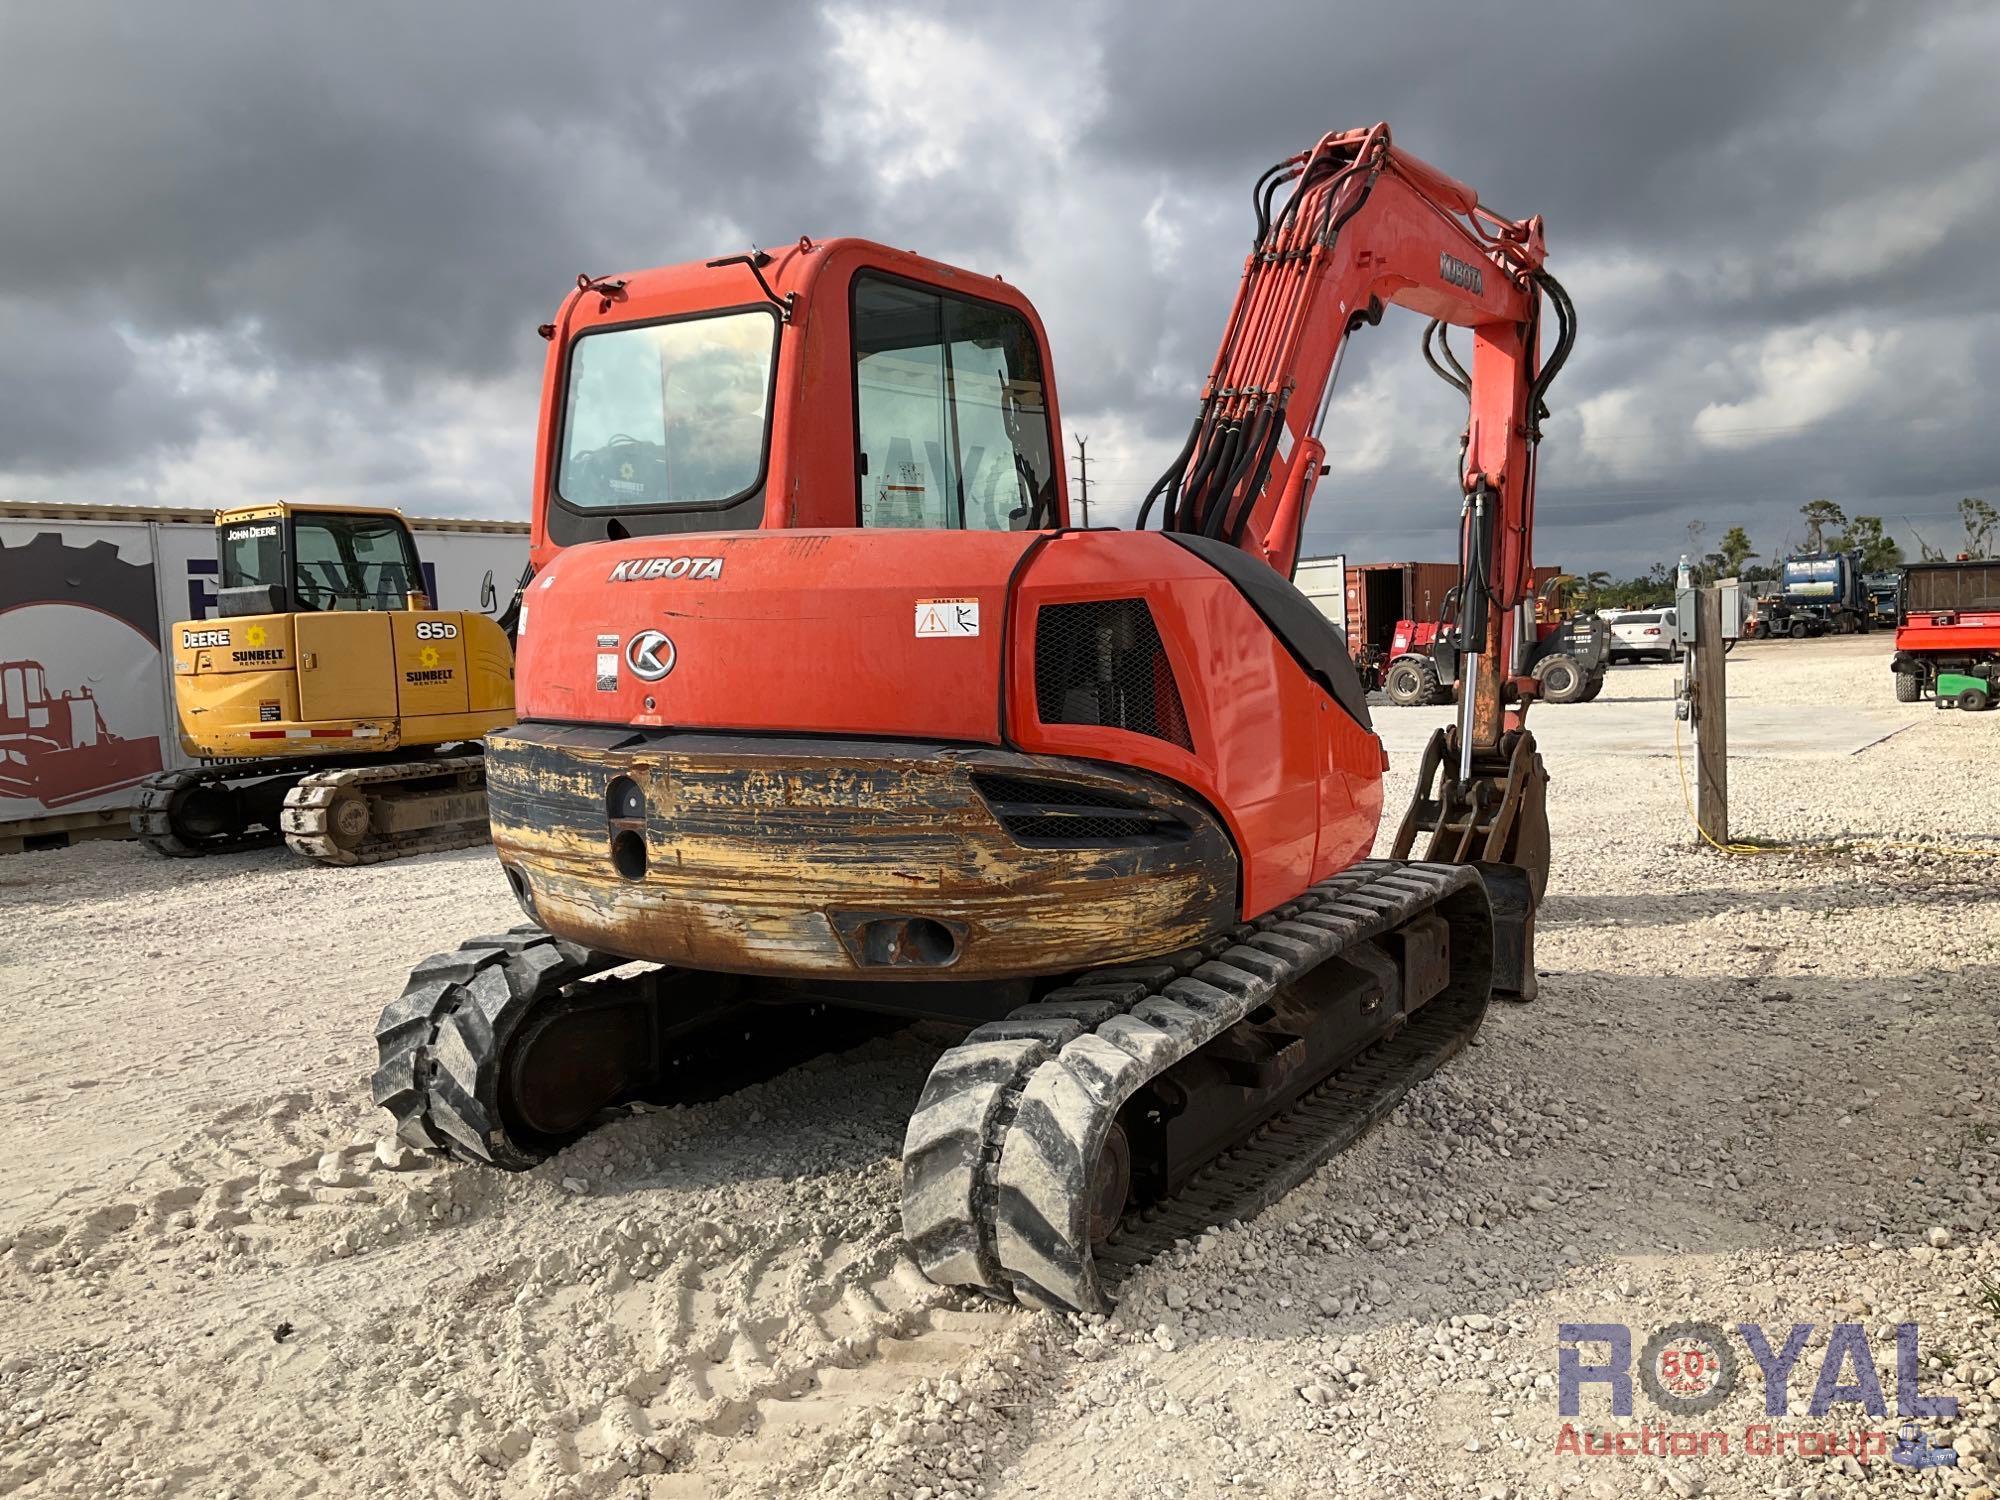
(825, 708)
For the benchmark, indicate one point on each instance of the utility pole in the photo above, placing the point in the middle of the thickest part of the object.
(1083, 475)
(1711, 716)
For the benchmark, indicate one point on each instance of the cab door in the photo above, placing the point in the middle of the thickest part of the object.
(951, 414)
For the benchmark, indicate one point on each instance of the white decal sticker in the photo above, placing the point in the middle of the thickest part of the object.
(638, 569)
(607, 671)
(607, 643)
(947, 617)
(521, 621)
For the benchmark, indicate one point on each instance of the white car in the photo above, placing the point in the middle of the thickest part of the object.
(1644, 635)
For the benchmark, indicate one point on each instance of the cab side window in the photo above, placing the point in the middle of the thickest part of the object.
(952, 417)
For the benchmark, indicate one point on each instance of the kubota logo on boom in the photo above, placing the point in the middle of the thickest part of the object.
(637, 569)
(1461, 273)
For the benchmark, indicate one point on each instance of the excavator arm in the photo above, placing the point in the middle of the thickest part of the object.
(1365, 225)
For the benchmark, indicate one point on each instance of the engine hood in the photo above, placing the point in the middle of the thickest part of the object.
(824, 632)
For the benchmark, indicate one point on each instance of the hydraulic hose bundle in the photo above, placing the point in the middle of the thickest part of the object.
(1213, 483)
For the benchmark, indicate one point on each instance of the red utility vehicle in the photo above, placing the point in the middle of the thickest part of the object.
(826, 706)
(1948, 620)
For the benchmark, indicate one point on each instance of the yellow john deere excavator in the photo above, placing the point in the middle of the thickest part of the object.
(331, 705)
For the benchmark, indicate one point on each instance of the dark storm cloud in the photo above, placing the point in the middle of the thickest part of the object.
(326, 233)
(406, 182)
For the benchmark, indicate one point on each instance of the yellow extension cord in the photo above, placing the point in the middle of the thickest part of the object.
(1687, 801)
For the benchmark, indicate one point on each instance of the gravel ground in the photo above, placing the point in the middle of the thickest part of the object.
(1753, 1090)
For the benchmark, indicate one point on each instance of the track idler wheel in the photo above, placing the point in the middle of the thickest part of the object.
(1110, 1184)
(347, 819)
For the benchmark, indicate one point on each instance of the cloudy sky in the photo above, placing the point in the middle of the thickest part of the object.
(254, 250)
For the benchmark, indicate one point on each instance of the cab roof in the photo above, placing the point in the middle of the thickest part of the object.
(267, 509)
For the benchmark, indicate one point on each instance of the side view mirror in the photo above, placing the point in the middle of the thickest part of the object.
(488, 599)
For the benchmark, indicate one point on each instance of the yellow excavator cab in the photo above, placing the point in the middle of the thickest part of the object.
(326, 647)
(283, 558)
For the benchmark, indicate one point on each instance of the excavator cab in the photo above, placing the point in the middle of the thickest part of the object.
(283, 559)
(834, 384)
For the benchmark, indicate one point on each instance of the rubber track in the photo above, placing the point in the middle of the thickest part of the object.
(439, 1044)
(307, 805)
(152, 818)
(998, 1154)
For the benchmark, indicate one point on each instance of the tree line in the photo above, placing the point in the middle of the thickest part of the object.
(1828, 529)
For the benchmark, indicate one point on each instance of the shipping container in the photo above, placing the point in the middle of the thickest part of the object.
(1324, 581)
(87, 595)
(1380, 594)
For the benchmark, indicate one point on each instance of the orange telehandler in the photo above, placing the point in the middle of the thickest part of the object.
(825, 705)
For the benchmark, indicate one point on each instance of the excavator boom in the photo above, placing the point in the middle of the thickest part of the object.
(1367, 224)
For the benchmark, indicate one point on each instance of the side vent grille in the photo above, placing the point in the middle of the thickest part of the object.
(1101, 662)
(1058, 812)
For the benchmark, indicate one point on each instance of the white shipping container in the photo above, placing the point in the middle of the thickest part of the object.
(1324, 581)
(87, 596)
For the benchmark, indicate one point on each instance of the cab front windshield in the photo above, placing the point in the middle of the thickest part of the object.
(668, 414)
(358, 562)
